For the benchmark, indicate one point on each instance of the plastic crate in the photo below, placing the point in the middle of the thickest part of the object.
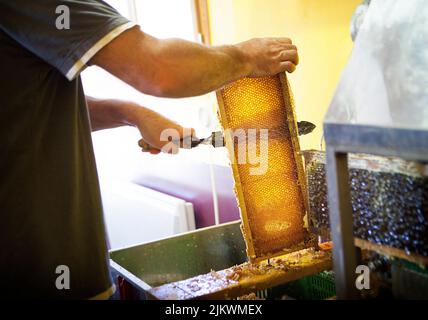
(315, 287)
(319, 286)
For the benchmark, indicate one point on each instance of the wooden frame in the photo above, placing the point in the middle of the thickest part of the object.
(294, 134)
(293, 129)
(202, 20)
(391, 252)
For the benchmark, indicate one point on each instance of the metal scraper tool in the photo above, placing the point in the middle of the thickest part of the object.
(216, 139)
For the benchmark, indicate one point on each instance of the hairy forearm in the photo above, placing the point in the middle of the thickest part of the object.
(172, 67)
(178, 68)
(188, 69)
(109, 113)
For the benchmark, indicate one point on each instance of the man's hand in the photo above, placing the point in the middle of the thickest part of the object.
(268, 56)
(158, 132)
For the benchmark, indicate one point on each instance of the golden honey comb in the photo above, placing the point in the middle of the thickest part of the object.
(272, 204)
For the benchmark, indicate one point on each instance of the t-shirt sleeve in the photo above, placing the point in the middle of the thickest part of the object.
(33, 24)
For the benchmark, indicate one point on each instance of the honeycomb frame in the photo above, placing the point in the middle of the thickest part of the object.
(254, 252)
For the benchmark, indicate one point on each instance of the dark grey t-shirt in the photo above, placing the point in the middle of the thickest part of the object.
(50, 207)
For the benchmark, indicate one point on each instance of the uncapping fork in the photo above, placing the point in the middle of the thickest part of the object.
(216, 139)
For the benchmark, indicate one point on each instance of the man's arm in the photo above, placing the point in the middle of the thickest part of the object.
(178, 68)
(110, 113)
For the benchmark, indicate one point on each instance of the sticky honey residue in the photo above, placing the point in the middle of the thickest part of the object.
(248, 277)
(250, 296)
(294, 261)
